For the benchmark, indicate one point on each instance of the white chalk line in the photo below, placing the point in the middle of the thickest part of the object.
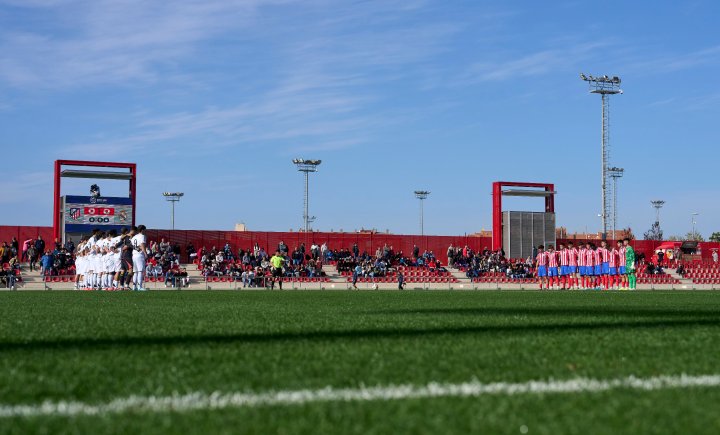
(219, 400)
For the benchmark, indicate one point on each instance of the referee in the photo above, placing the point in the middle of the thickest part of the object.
(276, 262)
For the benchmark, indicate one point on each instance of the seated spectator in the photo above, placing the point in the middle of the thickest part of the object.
(155, 271)
(182, 275)
(8, 278)
(680, 270)
(170, 278)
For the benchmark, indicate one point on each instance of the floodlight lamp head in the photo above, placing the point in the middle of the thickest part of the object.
(657, 203)
(173, 194)
(306, 162)
(421, 194)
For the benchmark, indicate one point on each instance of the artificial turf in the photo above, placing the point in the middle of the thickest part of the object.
(95, 347)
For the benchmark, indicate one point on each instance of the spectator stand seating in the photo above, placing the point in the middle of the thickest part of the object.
(702, 272)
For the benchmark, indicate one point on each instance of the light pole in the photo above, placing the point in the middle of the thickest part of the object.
(694, 234)
(658, 204)
(615, 173)
(422, 196)
(307, 166)
(605, 86)
(173, 197)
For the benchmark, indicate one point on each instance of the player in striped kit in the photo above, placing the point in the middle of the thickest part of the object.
(621, 265)
(541, 266)
(590, 265)
(604, 255)
(614, 277)
(552, 263)
(582, 266)
(597, 261)
(564, 259)
(572, 265)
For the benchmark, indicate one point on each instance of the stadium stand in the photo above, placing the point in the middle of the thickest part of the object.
(321, 263)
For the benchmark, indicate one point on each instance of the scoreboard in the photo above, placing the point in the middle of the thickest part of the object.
(82, 214)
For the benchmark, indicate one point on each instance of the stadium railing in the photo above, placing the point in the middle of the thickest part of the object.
(265, 282)
(64, 282)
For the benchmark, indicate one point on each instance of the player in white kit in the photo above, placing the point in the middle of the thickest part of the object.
(114, 245)
(139, 257)
(80, 262)
(90, 269)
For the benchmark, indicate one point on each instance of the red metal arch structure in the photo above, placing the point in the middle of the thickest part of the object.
(130, 176)
(499, 190)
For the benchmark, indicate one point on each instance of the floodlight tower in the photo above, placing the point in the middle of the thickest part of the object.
(658, 204)
(307, 166)
(173, 197)
(615, 173)
(422, 196)
(605, 86)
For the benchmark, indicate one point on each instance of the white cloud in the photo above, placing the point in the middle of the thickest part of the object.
(532, 64)
(19, 188)
(113, 41)
(316, 93)
(668, 63)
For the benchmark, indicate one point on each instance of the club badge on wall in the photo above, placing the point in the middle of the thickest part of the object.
(75, 214)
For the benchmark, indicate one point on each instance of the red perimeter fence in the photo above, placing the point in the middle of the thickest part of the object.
(269, 240)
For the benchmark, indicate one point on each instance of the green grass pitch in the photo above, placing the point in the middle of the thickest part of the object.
(96, 347)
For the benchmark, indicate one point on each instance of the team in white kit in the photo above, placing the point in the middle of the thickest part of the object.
(108, 261)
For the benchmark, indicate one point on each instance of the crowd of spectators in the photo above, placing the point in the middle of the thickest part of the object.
(481, 263)
(385, 262)
(252, 266)
(164, 263)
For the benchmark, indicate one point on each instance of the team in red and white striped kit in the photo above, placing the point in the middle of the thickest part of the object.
(585, 267)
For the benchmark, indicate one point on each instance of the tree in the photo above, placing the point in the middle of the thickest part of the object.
(696, 237)
(654, 233)
(715, 237)
(675, 239)
(629, 233)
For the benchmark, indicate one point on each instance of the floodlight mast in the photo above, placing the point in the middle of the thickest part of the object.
(306, 166)
(694, 233)
(615, 173)
(173, 197)
(605, 86)
(658, 204)
(422, 196)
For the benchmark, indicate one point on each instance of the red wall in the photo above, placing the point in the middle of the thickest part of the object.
(24, 233)
(270, 240)
(366, 242)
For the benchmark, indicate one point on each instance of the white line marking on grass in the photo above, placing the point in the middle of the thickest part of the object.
(218, 400)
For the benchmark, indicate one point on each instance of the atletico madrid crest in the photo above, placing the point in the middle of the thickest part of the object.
(75, 214)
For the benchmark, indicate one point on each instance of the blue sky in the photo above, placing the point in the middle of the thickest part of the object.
(215, 98)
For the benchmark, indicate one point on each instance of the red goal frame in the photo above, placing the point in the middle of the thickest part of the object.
(497, 194)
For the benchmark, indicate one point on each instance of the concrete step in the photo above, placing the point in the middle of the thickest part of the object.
(459, 275)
